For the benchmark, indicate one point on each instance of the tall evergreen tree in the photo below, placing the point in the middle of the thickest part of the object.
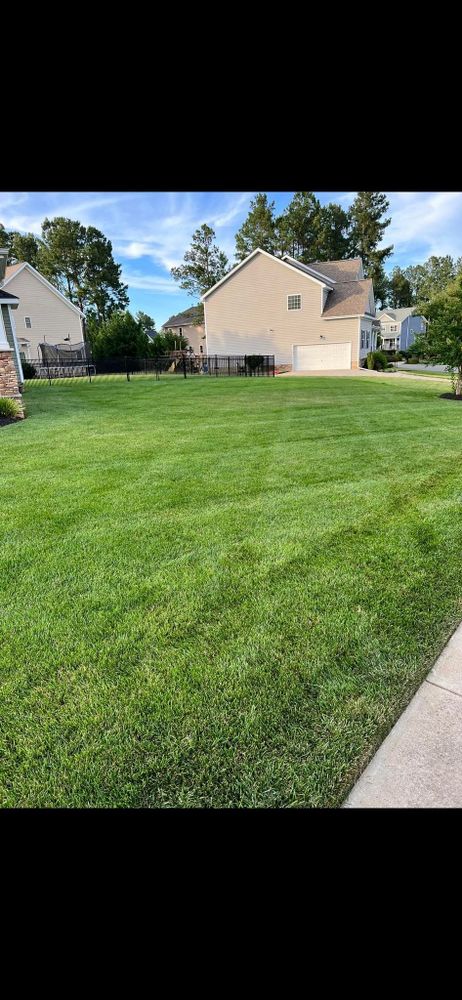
(399, 290)
(259, 228)
(367, 229)
(146, 322)
(297, 227)
(204, 263)
(332, 233)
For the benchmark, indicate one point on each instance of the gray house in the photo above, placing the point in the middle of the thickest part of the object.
(399, 328)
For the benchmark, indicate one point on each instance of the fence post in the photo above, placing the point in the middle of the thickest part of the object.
(89, 373)
(245, 365)
(126, 369)
(48, 370)
(274, 371)
(184, 365)
(229, 366)
(216, 366)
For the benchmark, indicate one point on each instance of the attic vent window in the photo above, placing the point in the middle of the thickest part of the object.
(294, 302)
(27, 323)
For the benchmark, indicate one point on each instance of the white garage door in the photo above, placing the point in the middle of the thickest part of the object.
(321, 357)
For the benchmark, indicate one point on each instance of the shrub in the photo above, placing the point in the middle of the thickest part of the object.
(377, 361)
(29, 370)
(9, 408)
(399, 356)
(413, 360)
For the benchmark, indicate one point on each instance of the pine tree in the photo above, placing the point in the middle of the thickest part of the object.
(333, 233)
(399, 290)
(205, 264)
(367, 228)
(297, 227)
(259, 228)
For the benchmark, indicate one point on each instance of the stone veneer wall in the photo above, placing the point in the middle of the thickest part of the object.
(8, 378)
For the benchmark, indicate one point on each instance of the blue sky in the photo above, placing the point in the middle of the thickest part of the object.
(151, 231)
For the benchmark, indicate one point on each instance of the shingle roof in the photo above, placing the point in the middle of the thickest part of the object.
(189, 317)
(397, 314)
(348, 298)
(338, 270)
(11, 268)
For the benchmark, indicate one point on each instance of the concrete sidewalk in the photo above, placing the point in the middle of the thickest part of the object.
(363, 373)
(420, 763)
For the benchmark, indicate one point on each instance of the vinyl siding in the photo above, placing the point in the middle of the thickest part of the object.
(194, 335)
(366, 325)
(6, 316)
(248, 314)
(51, 318)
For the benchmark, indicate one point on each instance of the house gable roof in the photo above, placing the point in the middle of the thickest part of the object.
(340, 270)
(397, 314)
(277, 260)
(349, 298)
(189, 317)
(14, 269)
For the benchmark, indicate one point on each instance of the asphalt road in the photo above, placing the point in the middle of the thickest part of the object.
(429, 369)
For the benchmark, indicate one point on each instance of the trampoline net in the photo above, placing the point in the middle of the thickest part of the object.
(59, 354)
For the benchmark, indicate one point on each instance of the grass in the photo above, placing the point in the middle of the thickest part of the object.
(219, 593)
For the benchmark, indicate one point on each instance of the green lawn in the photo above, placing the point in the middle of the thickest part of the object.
(219, 592)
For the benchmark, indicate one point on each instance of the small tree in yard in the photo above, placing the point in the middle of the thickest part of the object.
(442, 341)
(120, 336)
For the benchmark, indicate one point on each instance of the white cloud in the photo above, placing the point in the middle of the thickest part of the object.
(425, 223)
(149, 283)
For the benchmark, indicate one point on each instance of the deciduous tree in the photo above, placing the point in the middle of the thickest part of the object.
(119, 336)
(442, 341)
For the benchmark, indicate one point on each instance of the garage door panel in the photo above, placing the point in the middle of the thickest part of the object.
(321, 357)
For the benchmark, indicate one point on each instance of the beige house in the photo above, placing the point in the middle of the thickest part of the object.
(44, 314)
(185, 324)
(312, 318)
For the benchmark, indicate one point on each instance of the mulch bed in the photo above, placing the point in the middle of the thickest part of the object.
(450, 395)
(8, 420)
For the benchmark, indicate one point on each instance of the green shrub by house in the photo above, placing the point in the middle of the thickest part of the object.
(377, 361)
(9, 408)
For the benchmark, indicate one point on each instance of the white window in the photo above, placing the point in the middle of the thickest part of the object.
(294, 302)
(368, 342)
(362, 340)
(27, 323)
(180, 330)
(393, 329)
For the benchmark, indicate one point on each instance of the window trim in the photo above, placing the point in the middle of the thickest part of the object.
(294, 295)
(30, 323)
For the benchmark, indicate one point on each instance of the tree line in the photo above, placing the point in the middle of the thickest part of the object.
(306, 231)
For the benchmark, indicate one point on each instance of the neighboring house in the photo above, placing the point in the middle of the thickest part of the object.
(11, 375)
(44, 314)
(185, 325)
(398, 328)
(311, 317)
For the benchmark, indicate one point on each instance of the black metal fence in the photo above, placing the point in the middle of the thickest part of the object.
(177, 363)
